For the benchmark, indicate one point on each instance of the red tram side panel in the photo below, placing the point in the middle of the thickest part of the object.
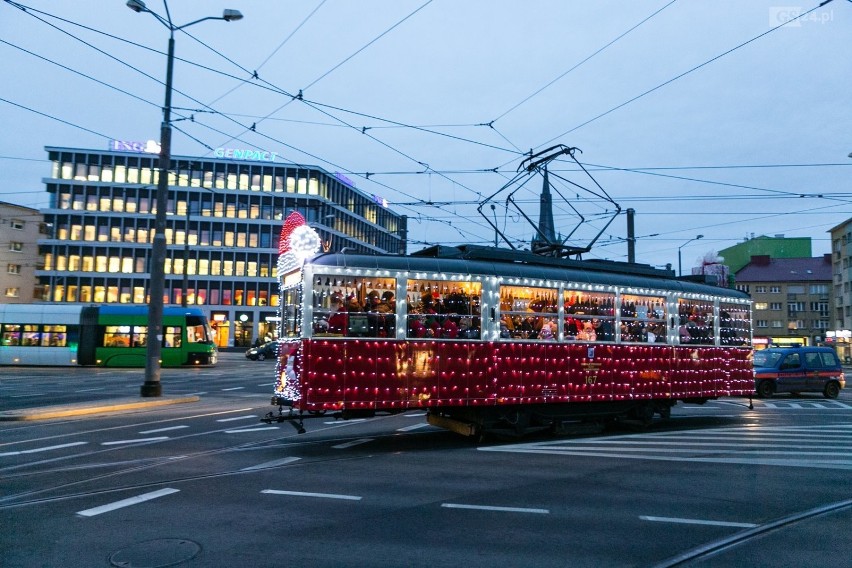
(391, 375)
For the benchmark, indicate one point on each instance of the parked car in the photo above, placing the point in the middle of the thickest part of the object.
(798, 369)
(263, 351)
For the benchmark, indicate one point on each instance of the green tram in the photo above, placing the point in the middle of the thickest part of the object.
(104, 336)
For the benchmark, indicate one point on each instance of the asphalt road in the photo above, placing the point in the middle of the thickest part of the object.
(205, 483)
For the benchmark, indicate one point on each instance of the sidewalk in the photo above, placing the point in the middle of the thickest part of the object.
(99, 407)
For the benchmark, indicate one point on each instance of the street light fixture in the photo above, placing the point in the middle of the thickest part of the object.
(679, 269)
(152, 386)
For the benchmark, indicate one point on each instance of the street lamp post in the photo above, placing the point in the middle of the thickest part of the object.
(151, 386)
(679, 269)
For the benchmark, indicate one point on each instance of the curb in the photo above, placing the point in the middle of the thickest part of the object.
(80, 409)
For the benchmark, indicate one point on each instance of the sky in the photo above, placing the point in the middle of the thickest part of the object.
(728, 119)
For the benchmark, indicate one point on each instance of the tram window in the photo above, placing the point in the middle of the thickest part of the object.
(695, 322)
(528, 313)
(354, 306)
(139, 336)
(195, 330)
(30, 336)
(54, 336)
(734, 324)
(589, 316)
(443, 309)
(11, 334)
(171, 336)
(643, 319)
(289, 303)
(117, 336)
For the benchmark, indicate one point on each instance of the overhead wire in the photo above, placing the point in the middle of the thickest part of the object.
(421, 162)
(684, 74)
(583, 61)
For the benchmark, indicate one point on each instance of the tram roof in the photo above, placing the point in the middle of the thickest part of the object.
(492, 261)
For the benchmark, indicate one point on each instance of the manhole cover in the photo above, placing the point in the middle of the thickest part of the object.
(155, 553)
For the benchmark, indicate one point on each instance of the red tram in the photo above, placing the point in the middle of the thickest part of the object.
(483, 338)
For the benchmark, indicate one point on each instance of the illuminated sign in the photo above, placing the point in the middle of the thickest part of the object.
(344, 179)
(245, 154)
(380, 200)
(149, 147)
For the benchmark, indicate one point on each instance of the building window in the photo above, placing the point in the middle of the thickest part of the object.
(16, 224)
(775, 289)
(760, 289)
(12, 292)
(762, 323)
(14, 269)
(15, 246)
(794, 307)
(775, 306)
(778, 324)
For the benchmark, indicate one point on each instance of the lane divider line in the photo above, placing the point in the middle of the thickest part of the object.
(158, 430)
(273, 463)
(136, 441)
(233, 418)
(498, 509)
(305, 494)
(352, 443)
(45, 449)
(126, 502)
(696, 522)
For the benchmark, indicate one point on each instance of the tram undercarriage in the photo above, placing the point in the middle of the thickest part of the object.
(510, 419)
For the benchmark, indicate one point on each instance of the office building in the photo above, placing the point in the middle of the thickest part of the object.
(224, 218)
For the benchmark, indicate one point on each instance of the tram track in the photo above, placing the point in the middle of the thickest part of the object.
(744, 537)
(13, 501)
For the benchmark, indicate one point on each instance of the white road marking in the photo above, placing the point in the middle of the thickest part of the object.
(818, 447)
(158, 430)
(415, 415)
(352, 443)
(412, 427)
(236, 418)
(233, 389)
(126, 502)
(274, 463)
(90, 390)
(44, 449)
(697, 522)
(136, 441)
(241, 430)
(320, 495)
(338, 422)
(498, 509)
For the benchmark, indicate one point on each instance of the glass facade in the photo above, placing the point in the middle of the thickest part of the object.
(223, 223)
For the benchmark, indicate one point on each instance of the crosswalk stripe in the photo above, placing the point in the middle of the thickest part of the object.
(821, 447)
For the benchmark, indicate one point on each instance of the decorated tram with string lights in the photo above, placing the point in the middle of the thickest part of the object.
(484, 338)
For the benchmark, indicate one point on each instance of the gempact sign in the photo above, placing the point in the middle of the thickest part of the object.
(245, 154)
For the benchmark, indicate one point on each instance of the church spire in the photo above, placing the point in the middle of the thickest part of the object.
(546, 231)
